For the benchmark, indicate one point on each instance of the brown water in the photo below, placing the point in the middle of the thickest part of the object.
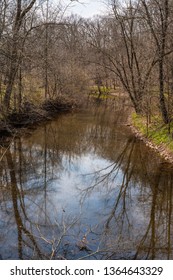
(82, 187)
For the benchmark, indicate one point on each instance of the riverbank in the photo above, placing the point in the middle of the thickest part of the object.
(31, 115)
(155, 136)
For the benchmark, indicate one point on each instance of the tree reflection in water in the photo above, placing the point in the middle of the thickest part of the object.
(82, 187)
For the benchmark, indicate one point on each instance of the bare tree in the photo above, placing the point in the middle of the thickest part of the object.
(157, 15)
(20, 14)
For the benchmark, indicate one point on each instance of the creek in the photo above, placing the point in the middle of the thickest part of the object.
(83, 187)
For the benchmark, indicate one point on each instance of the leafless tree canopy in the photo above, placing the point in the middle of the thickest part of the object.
(44, 53)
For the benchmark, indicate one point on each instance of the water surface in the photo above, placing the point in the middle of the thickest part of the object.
(82, 187)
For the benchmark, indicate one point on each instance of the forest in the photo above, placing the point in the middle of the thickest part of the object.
(47, 57)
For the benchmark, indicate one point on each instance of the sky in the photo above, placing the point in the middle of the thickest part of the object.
(86, 8)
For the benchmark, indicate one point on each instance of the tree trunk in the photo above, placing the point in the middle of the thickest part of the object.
(9, 87)
(14, 64)
(163, 108)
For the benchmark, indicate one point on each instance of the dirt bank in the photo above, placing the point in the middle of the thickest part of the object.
(31, 115)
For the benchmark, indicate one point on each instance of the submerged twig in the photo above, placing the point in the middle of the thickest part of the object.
(6, 148)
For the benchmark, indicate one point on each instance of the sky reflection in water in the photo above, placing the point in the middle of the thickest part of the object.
(83, 187)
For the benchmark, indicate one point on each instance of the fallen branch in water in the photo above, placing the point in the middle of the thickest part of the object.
(6, 148)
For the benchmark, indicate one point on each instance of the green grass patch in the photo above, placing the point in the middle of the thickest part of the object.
(104, 90)
(140, 123)
(157, 131)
